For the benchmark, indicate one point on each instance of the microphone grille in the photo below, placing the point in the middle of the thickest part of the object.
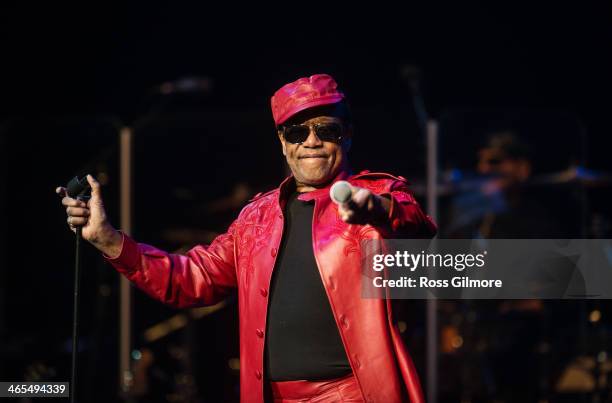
(341, 192)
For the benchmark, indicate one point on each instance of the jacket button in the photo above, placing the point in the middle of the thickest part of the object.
(258, 374)
(273, 252)
(259, 333)
(264, 292)
(344, 321)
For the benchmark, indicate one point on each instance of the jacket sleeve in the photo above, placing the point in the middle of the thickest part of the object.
(203, 276)
(406, 218)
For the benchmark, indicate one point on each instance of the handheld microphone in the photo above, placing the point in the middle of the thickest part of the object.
(78, 188)
(341, 192)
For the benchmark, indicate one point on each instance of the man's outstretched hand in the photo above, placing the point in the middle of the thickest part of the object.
(364, 207)
(91, 217)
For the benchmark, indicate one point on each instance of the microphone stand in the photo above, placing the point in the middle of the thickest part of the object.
(75, 314)
(80, 190)
(429, 129)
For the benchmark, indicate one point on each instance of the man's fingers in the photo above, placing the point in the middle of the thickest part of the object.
(70, 202)
(77, 211)
(356, 210)
(358, 200)
(346, 217)
(95, 186)
(346, 213)
(361, 197)
(77, 221)
(60, 191)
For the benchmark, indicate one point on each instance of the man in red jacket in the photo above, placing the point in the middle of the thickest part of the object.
(306, 334)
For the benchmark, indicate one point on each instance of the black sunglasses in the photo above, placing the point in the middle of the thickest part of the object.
(297, 134)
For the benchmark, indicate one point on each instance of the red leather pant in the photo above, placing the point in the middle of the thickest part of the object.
(343, 389)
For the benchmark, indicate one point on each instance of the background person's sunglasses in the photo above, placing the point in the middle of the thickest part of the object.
(297, 134)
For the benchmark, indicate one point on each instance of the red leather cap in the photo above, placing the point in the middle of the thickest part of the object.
(307, 92)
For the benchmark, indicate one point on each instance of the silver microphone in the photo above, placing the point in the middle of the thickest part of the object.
(341, 192)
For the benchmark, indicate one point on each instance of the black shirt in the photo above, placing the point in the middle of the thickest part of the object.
(302, 339)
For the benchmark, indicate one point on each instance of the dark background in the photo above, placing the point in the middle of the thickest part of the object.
(70, 76)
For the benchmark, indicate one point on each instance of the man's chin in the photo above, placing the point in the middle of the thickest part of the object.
(316, 180)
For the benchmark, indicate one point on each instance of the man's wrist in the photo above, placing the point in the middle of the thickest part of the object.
(109, 241)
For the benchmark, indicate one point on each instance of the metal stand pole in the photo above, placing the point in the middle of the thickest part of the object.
(432, 304)
(412, 75)
(125, 290)
(75, 317)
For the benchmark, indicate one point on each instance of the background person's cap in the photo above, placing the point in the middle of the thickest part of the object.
(307, 92)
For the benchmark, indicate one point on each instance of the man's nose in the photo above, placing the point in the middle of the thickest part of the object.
(313, 140)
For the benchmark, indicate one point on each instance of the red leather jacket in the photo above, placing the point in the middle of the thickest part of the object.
(244, 258)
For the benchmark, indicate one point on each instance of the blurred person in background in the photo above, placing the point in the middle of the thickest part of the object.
(508, 343)
(504, 204)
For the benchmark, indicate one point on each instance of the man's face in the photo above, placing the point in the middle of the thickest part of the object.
(315, 162)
